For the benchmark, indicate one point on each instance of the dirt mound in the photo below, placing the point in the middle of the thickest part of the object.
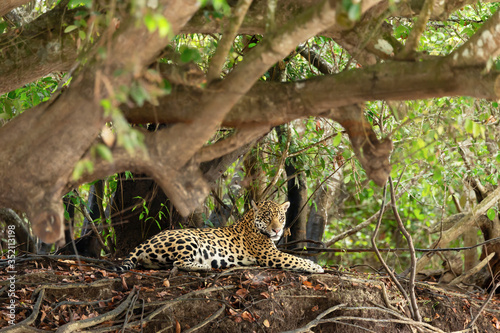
(60, 295)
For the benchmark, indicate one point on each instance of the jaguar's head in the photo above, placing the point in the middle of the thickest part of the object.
(270, 218)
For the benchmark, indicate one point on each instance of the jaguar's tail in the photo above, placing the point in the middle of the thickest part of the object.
(129, 263)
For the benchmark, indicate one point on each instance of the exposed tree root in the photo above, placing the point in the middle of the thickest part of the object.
(79, 325)
(24, 326)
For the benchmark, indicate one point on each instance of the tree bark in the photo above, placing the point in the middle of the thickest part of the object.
(7, 5)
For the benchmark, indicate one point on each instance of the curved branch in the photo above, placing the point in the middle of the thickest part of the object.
(39, 49)
(242, 137)
(227, 39)
(7, 5)
(482, 46)
(271, 103)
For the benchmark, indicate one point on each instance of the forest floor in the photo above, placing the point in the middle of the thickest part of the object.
(59, 295)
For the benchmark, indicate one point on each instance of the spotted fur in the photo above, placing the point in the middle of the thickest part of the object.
(248, 242)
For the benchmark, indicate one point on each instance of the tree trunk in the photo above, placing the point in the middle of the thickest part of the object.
(296, 215)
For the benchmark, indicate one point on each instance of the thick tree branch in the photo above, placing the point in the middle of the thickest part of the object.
(461, 226)
(38, 49)
(482, 46)
(372, 153)
(270, 103)
(222, 96)
(254, 23)
(7, 5)
(242, 137)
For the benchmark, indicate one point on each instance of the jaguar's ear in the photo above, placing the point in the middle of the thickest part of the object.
(285, 205)
(254, 206)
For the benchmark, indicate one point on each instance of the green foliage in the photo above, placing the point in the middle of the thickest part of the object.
(17, 101)
(79, 3)
(155, 21)
(145, 216)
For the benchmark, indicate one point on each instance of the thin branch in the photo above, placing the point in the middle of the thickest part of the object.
(367, 222)
(461, 226)
(97, 234)
(356, 250)
(492, 293)
(208, 320)
(413, 259)
(81, 324)
(230, 31)
(418, 28)
(24, 326)
(312, 145)
(281, 165)
(379, 256)
(317, 321)
(222, 147)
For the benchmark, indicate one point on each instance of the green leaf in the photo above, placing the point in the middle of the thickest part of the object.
(469, 124)
(104, 152)
(164, 27)
(437, 174)
(82, 34)
(167, 87)
(337, 139)
(138, 93)
(354, 12)
(491, 213)
(189, 54)
(81, 167)
(150, 22)
(347, 179)
(3, 25)
(78, 3)
(70, 28)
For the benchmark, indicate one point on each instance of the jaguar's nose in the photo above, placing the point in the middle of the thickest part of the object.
(277, 231)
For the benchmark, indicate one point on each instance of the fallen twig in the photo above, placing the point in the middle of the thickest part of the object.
(473, 270)
(208, 320)
(490, 296)
(316, 321)
(81, 324)
(81, 303)
(24, 326)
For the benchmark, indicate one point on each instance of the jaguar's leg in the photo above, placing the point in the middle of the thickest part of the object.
(189, 265)
(277, 259)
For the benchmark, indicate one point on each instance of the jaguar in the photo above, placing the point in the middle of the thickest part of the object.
(248, 242)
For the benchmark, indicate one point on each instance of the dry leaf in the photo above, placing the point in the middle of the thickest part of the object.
(266, 323)
(242, 292)
(166, 283)
(315, 308)
(177, 327)
(247, 316)
(124, 283)
(264, 294)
